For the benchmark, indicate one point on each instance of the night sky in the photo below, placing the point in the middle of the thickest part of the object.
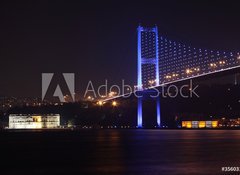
(96, 40)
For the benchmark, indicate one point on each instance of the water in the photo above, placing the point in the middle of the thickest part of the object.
(118, 152)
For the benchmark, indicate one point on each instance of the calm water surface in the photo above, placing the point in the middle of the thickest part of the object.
(119, 152)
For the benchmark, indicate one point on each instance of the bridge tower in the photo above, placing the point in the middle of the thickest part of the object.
(148, 67)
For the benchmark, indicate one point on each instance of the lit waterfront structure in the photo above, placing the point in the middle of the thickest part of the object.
(33, 121)
(200, 124)
(217, 123)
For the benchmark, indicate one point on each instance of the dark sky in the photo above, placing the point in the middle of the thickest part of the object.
(96, 40)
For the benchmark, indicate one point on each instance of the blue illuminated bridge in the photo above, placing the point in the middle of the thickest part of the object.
(162, 61)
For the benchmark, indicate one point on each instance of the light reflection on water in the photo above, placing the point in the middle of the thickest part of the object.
(147, 152)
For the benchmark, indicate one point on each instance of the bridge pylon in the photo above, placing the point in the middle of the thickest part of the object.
(148, 59)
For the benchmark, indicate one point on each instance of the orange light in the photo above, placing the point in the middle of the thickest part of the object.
(100, 103)
(188, 71)
(202, 124)
(189, 124)
(214, 124)
(186, 124)
(114, 103)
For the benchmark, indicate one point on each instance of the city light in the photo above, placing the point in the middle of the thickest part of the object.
(112, 94)
(100, 103)
(90, 98)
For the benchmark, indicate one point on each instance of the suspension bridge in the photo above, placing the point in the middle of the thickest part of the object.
(161, 61)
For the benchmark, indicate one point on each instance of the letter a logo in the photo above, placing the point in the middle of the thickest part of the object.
(69, 80)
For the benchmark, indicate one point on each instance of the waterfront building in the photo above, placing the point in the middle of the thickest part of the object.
(34, 121)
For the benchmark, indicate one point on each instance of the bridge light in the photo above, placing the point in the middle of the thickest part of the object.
(174, 75)
(188, 71)
(213, 65)
(168, 77)
(151, 82)
(220, 62)
(114, 103)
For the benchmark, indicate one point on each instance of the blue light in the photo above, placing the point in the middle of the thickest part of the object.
(158, 112)
(157, 57)
(148, 64)
(139, 119)
(139, 73)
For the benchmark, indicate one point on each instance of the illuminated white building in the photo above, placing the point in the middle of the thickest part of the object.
(33, 121)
